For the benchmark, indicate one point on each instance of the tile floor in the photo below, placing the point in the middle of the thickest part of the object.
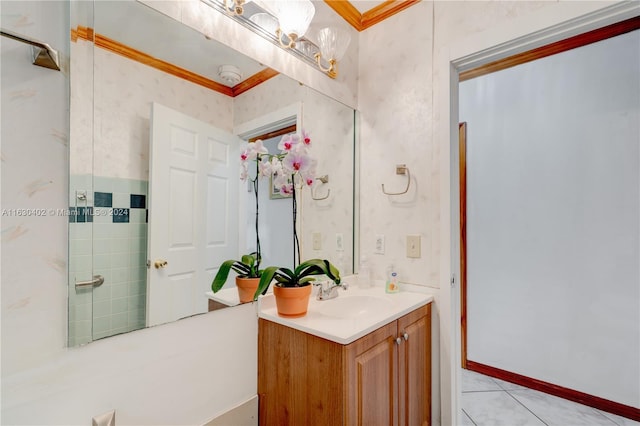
(492, 402)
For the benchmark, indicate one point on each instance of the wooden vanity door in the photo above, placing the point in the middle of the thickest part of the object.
(372, 379)
(414, 368)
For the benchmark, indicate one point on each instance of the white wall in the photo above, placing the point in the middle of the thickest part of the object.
(407, 96)
(553, 172)
(184, 373)
(35, 129)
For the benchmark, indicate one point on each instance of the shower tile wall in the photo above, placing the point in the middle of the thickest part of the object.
(108, 237)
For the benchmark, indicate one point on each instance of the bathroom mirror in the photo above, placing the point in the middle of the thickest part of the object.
(130, 57)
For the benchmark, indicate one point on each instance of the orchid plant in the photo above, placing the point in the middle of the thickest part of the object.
(249, 265)
(293, 168)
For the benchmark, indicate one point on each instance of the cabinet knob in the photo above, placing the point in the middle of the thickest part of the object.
(398, 340)
(406, 336)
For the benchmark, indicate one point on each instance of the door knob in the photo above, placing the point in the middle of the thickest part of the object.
(160, 263)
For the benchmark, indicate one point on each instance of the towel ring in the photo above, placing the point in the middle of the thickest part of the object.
(401, 169)
(324, 179)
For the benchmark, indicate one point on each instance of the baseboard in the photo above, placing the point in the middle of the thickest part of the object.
(245, 414)
(562, 392)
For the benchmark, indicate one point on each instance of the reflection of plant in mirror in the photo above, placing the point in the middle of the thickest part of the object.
(301, 276)
(293, 168)
(247, 267)
(255, 151)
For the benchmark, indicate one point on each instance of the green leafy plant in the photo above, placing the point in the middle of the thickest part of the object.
(247, 267)
(301, 276)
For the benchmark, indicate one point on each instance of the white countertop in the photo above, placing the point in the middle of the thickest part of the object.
(333, 323)
(226, 296)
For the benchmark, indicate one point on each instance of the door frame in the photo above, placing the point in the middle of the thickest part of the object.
(545, 26)
(462, 149)
(563, 45)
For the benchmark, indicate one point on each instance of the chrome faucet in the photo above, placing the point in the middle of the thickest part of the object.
(329, 289)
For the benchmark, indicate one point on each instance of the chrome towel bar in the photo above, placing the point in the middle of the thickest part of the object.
(43, 54)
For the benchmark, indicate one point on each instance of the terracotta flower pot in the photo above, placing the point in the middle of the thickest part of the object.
(292, 302)
(246, 288)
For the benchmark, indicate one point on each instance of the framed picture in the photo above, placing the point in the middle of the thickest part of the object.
(274, 191)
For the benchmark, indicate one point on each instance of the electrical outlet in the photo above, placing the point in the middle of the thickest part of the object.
(339, 242)
(379, 244)
(317, 241)
(413, 246)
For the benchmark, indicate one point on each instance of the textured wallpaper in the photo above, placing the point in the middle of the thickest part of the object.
(124, 91)
(34, 161)
(396, 113)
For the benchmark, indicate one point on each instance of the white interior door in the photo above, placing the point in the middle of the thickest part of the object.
(193, 203)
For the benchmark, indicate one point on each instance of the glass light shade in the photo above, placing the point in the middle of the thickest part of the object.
(294, 16)
(333, 42)
(265, 21)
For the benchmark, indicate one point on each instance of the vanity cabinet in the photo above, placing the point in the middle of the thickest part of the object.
(382, 378)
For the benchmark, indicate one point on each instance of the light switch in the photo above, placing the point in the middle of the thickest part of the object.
(317, 241)
(413, 246)
(339, 242)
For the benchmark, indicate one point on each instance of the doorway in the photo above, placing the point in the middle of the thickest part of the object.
(515, 209)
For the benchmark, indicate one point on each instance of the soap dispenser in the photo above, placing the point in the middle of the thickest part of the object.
(392, 280)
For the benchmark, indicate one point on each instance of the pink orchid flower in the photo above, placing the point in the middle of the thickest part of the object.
(296, 162)
(287, 189)
(306, 138)
(259, 148)
(288, 142)
(265, 168)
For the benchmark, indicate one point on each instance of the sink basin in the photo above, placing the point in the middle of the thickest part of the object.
(350, 316)
(353, 306)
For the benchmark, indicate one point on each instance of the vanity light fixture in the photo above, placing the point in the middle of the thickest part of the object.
(235, 7)
(294, 17)
(333, 43)
(285, 23)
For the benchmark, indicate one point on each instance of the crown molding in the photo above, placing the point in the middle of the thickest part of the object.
(579, 40)
(128, 52)
(362, 21)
